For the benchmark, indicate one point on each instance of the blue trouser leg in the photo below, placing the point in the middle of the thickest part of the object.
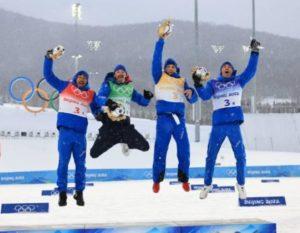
(64, 149)
(217, 136)
(164, 128)
(183, 150)
(79, 154)
(236, 141)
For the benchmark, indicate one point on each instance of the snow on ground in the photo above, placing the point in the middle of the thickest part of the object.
(41, 154)
(133, 201)
(268, 132)
(129, 202)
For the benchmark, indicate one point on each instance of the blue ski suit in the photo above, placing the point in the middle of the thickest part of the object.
(72, 124)
(227, 116)
(170, 108)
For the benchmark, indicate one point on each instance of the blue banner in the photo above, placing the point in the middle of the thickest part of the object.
(47, 231)
(24, 208)
(175, 182)
(215, 189)
(71, 189)
(56, 192)
(234, 228)
(262, 201)
(208, 228)
(89, 184)
(223, 189)
(200, 186)
(270, 180)
(92, 175)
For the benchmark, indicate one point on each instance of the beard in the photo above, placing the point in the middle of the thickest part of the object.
(120, 79)
(81, 83)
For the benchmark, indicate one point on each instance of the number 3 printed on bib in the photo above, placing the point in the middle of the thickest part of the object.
(228, 97)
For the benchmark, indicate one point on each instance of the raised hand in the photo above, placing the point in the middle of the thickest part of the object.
(255, 45)
(148, 95)
(188, 93)
(200, 75)
(56, 52)
(165, 29)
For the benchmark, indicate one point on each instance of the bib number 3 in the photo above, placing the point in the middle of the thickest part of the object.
(78, 111)
(227, 102)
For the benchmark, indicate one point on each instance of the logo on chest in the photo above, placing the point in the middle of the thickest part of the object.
(77, 92)
(220, 86)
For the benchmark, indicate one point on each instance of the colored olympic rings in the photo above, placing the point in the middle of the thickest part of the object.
(29, 83)
(55, 96)
(42, 108)
(52, 98)
(29, 94)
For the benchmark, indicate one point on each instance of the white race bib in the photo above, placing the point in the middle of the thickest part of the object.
(74, 101)
(227, 95)
(72, 106)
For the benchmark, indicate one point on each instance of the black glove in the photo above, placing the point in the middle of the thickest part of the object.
(148, 95)
(49, 53)
(198, 82)
(112, 105)
(254, 45)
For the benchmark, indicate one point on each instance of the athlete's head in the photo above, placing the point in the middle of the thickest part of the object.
(120, 73)
(170, 66)
(227, 70)
(81, 78)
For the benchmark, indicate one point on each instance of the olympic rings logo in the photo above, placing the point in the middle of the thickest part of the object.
(29, 94)
(54, 192)
(25, 208)
(222, 86)
(53, 96)
(45, 105)
(13, 83)
(78, 92)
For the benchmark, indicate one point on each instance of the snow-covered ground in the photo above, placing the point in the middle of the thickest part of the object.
(130, 202)
(41, 154)
(127, 202)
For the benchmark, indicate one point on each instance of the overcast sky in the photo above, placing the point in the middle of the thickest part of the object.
(276, 16)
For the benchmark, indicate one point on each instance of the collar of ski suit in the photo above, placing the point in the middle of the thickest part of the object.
(222, 79)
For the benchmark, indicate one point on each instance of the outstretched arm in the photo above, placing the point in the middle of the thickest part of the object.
(54, 81)
(250, 70)
(157, 60)
(139, 99)
(205, 93)
(95, 109)
(194, 97)
(103, 94)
